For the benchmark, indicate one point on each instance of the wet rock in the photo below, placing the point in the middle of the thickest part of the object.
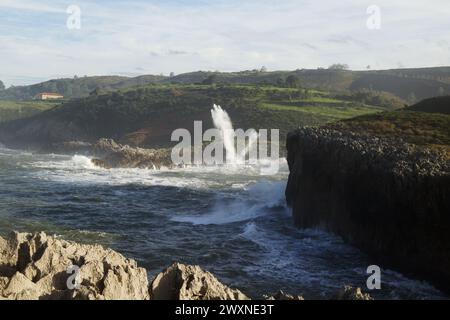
(41, 263)
(352, 293)
(110, 154)
(185, 282)
(280, 295)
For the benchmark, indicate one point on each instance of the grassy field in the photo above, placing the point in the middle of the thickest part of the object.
(331, 113)
(12, 110)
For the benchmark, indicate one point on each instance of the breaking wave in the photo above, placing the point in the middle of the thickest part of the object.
(254, 201)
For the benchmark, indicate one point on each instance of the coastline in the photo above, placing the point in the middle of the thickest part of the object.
(41, 267)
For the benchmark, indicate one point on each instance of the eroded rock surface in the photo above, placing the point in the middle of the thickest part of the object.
(352, 293)
(35, 266)
(186, 282)
(113, 155)
(281, 295)
(107, 153)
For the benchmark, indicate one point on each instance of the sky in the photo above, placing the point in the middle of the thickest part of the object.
(135, 37)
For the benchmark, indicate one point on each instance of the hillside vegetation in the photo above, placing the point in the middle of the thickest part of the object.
(75, 87)
(408, 88)
(12, 110)
(146, 116)
(419, 128)
(426, 123)
(433, 105)
(411, 85)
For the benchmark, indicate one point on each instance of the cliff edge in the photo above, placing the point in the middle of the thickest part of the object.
(377, 190)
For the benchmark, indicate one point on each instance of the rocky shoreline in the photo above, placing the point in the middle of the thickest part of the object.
(385, 196)
(41, 267)
(109, 154)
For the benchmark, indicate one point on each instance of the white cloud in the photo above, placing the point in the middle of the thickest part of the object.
(39, 6)
(222, 35)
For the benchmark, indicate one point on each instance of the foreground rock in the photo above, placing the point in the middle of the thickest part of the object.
(385, 196)
(351, 293)
(281, 295)
(184, 282)
(35, 266)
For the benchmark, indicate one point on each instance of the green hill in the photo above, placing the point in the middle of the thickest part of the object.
(408, 88)
(433, 105)
(406, 84)
(12, 110)
(75, 87)
(146, 116)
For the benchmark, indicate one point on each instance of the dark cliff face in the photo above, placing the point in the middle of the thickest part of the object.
(388, 198)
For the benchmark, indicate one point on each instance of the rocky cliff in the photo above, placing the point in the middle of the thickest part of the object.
(387, 197)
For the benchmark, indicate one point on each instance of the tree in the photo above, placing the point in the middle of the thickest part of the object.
(97, 92)
(306, 94)
(210, 80)
(2, 85)
(263, 69)
(292, 81)
(338, 66)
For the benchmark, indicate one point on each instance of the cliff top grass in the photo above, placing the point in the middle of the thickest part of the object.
(430, 130)
(11, 110)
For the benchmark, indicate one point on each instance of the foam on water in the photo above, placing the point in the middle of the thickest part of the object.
(80, 170)
(253, 201)
(307, 256)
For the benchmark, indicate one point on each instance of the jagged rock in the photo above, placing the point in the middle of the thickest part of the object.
(41, 263)
(351, 293)
(35, 266)
(108, 154)
(280, 295)
(19, 287)
(185, 282)
(114, 155)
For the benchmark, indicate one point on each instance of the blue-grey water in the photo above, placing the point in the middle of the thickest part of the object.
(231, 221)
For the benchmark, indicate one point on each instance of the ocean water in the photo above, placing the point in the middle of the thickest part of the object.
(230, 220)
